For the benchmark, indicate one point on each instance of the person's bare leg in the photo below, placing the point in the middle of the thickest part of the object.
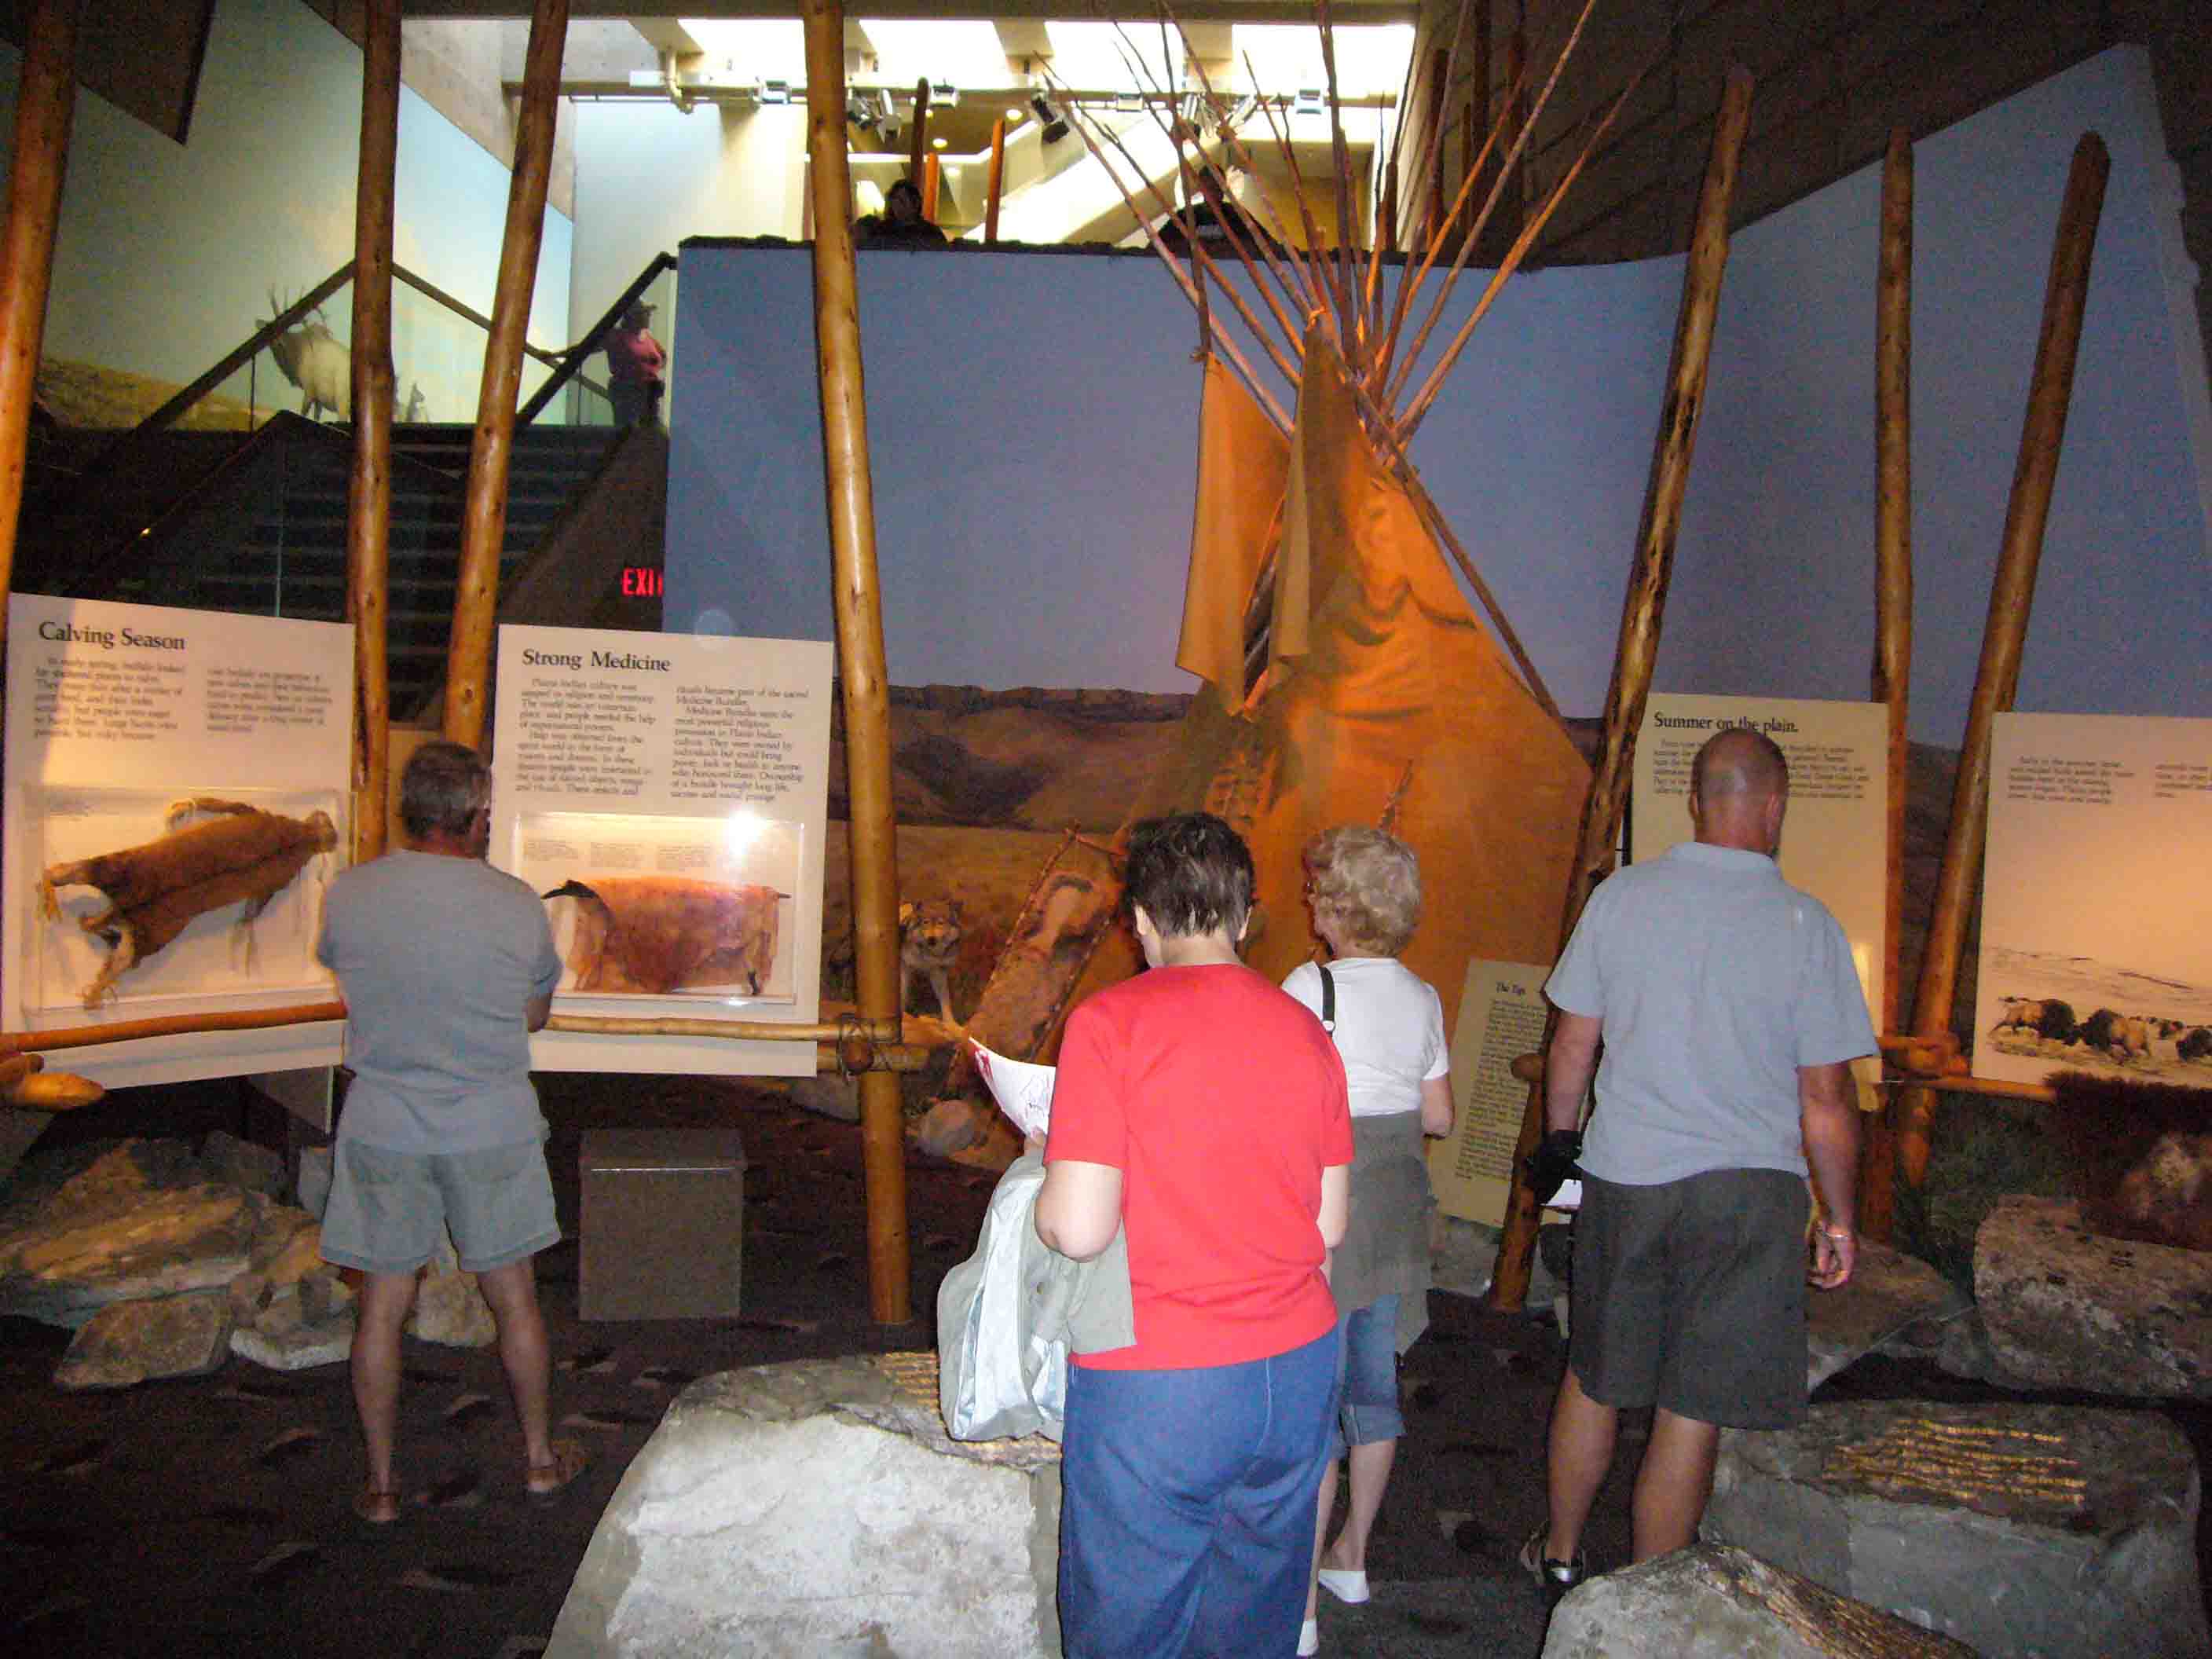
(1675, 1483)
(1321, 1533)
(1370, 1473)
(386, 1301)
(1581, 1441)
(512, 1291)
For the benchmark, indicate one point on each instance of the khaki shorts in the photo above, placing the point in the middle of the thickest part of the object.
(387, 1208)
(1690, 1294)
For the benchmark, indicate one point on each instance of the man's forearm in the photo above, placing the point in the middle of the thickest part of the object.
(1569, 1065)
(1830, 1125)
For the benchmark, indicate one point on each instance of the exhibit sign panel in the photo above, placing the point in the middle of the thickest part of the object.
(2096, 908)
(1501, 1018)
(667, 796)
(177, 791)
(1835, 835)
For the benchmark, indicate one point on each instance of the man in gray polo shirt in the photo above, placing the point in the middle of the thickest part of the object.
(1730, 1013)
(447, 966)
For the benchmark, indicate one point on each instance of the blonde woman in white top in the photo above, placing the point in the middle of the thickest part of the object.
(1364, 887)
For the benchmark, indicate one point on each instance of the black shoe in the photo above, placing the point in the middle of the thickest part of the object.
(1557, 1577)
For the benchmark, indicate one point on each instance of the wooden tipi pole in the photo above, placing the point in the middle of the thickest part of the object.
(46, 95)
(918, 140)
(1640, 615)
(369, 496)
(859, 596)
(1892, 652)
(997, 178)
(2011, 595)
(483, 511)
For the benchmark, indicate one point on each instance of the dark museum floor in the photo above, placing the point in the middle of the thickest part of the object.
(210, 1515)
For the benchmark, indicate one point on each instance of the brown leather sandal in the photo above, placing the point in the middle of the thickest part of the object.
(543, 1482)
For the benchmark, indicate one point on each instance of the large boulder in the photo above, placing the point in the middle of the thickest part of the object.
(817, 1508)
(1716, 1603)
(2031, 1530)
(2069, 1309)
(123, 1221)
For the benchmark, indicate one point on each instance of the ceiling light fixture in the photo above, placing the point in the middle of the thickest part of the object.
(1055, 128)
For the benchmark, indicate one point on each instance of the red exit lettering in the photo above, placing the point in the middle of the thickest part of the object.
(641, 582)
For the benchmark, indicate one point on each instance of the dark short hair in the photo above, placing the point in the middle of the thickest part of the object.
(1191, 872)
(443, 787)
(904, 187)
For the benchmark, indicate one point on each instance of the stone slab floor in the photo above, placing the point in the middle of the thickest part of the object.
(210, 1515)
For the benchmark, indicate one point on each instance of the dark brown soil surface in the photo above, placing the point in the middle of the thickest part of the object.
(210, 1515)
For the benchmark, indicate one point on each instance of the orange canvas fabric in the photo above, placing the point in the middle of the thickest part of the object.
(1401, 705)
(1241, 463)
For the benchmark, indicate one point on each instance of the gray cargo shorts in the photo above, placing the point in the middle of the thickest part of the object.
(1690, 1294)
(387, 1208)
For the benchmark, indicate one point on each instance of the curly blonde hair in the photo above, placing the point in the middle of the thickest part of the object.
(1367, 883)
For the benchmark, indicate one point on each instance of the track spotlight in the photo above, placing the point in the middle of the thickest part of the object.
(1055, 128)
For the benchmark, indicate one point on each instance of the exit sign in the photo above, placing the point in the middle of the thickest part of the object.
(641, 582)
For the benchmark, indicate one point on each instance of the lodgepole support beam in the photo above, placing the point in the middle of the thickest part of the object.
(1640, 615)
(2012, 594)
(996, 182)
(859, 597)
(483, 511)
(1892, 652)
(46, 95)
(368, 494)
(918, 140)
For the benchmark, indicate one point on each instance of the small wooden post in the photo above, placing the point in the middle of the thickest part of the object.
(1515, 200)
(932, 172)
(483, 511)
(2012, 594)
(1892, 652)
(859, 595)
(918, 140)
(369, 495)
(1439, 71)
(995, 183)
(46, 95)
(1640, 618)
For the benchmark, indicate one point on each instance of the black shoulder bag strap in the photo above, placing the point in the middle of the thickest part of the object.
(1327, 998)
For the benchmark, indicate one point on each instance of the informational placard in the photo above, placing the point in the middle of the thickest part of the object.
(667, 795)
(1501, 1018)
(177, 791)
(2096, 905)
(1835, 834)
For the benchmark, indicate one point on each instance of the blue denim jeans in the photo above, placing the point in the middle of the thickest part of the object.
(1368, 1377)
(1187, 1512)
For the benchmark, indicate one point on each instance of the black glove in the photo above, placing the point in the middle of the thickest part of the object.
(1553, 1161)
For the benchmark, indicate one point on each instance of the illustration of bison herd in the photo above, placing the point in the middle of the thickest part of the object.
(2146, 1041)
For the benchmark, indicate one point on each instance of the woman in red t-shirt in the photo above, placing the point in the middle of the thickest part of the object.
(1204, 1111)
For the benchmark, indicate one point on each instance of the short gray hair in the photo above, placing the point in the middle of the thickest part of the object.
(443, 787)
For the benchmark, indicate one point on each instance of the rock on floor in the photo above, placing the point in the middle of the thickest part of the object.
(2069, 1309)
(134, 1341)
(817, 1508)
(2032, 1530)
(1716, 1603)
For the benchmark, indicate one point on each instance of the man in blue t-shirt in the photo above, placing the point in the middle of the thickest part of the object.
(447, 965)
(1729, 1012)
